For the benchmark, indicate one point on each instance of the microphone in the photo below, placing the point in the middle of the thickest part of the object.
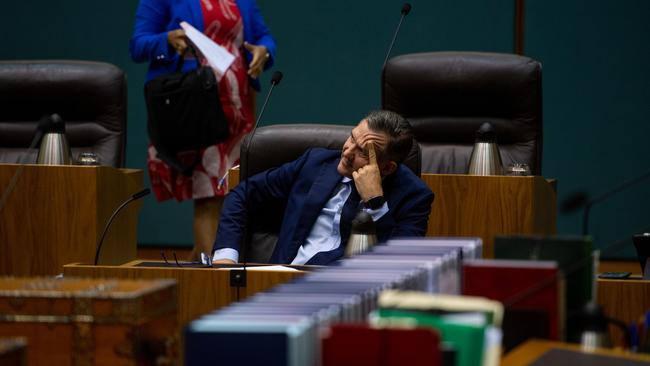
(238, 277)
(580, 199)
(591, 316)
(275, 80)
(406, 8)
(134, 197)
(43, 124)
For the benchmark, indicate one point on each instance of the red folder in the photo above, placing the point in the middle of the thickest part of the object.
(361, 345)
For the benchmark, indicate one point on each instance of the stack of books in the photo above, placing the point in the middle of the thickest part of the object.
(285, 324)
(470, 326)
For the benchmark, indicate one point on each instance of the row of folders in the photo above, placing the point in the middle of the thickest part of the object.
(418, 302)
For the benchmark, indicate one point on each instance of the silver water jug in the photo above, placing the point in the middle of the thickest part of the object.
(54, 148)
(362, 235)
(485, 158)
(595, 333)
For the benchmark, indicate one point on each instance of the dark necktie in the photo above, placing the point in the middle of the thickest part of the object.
(350, 209)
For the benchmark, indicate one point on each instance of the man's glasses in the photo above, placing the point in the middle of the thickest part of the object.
(204, 260)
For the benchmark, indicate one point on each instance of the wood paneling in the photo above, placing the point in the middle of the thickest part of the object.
(55, 215)
(201, 290)
(469, 205)
(625, 300)
(620, 266)
(486, 206)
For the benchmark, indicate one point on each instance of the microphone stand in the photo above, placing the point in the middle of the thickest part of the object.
(238, 277)
(603, 196)
(406, 8)
(136, 196)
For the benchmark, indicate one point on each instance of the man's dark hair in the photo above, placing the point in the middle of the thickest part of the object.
(399, 130)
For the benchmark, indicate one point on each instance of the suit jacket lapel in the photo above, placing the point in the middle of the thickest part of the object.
(320, 192)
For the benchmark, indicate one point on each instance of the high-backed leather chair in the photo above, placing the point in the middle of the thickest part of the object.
(272, 146)
(90, 97)
(447, 96)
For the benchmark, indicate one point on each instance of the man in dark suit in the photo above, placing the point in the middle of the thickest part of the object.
(324, 189)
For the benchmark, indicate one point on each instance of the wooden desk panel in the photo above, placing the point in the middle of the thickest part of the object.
(200, 290)
(625, 300)
(469, 205)
(55, 215)
(486, 206)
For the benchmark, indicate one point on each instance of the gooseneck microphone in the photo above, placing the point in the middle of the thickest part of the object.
(134, 197)
(580, 199)
(406, 8)
(275, 80)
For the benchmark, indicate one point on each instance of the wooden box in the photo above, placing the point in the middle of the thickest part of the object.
(75, 321)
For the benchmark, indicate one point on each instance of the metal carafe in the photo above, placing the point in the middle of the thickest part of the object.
(595, 332)
(54, 148)
(362, 236)
(485, 158)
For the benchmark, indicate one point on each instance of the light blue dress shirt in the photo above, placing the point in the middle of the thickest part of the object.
(325, 235)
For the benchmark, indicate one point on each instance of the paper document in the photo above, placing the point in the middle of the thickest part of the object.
(272, 268)
(217, 56)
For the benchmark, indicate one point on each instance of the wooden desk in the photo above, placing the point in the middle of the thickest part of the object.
(470, 205)
(531, 350)
(200, 290)
(55, 215)
(625, 300)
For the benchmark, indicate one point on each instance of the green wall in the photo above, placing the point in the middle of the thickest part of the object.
(596, 109)
(596, 93)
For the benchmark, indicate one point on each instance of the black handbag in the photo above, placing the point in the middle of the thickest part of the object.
(184, 114)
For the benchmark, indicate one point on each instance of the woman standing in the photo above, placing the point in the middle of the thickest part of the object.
(157, 38)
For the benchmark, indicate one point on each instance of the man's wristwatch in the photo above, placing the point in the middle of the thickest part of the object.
(375, 202)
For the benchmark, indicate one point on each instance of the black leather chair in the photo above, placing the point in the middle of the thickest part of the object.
(447, 95)
(89, 96)
(273, 146)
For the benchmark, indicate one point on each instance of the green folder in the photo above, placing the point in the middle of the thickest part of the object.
(468, 340)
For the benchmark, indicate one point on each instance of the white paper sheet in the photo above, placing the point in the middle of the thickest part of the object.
(217, 56)
(273, 268)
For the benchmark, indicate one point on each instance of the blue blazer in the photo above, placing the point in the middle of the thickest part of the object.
(304, 186)
(154, 18)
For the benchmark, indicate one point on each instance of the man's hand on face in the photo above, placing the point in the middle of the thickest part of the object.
(367, 179)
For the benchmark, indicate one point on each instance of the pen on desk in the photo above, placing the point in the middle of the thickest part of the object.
(645, 345)
(633, 330)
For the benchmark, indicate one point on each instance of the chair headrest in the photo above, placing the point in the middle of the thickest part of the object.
(89, 96)
(275, 145)
(446, 96)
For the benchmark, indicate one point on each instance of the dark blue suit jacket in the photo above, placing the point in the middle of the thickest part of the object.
(154, 18)
(304, 186)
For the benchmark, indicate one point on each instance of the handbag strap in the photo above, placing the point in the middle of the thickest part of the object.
(181, 57)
